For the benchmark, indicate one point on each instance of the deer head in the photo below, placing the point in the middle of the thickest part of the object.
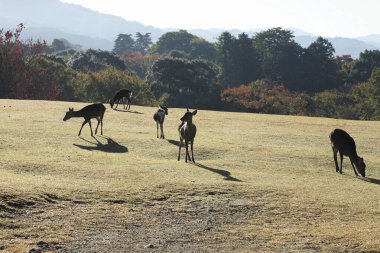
(361, 166)
(188, 117)
(165, 109)
(69, 114)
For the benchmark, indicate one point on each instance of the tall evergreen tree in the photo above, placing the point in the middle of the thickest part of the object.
(124, 43)
(143, 41)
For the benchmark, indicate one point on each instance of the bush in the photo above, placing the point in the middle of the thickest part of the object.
(264, 97)
(101, 86)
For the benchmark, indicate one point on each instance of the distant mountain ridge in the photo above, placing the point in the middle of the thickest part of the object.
(49, 19)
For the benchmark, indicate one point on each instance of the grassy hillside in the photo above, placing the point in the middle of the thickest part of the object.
(261, 182)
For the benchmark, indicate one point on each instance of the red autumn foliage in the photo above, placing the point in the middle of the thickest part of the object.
(139, 63)
(264, 97)
(21, 74)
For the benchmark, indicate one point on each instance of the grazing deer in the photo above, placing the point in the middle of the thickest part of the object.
(122, 95)
(159, 117)
(88, 112)
(343, 143)
(187, 131)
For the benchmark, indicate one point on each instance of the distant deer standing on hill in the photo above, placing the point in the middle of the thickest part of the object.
(187, 131)
(88, 112)
(159, 117)
(343, 143)
(122, 95)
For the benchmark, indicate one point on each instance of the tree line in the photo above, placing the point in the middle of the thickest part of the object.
(266, 73)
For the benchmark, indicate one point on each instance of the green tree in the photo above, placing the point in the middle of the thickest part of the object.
(95, 60)
(362, 68)
(320, 67)
(185, 83)
(124, 43)
(345, 65)
(374, 89)
(334, 104)
(58, 45)
(183, 41)
(225, 46)
(280, 56)
(238, 58)
(143, 41)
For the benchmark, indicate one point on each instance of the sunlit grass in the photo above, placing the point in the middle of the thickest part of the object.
(271, 177)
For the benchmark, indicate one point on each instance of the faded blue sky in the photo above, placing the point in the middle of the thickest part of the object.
(346, 18)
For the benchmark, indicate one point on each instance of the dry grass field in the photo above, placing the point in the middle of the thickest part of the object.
(262, 183)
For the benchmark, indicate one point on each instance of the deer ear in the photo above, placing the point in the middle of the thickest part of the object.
(195, 112)
(188, 109)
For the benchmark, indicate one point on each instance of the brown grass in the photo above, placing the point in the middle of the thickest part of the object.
(261, 183)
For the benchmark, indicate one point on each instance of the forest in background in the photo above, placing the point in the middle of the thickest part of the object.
(265, 73)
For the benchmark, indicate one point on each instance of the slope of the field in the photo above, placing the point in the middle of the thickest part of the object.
(260, 183)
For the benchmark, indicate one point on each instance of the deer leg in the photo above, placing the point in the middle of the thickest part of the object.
(335, 159)
(96, 130)
(356, 173)
(162, 131)
(179, 152)
(101, 125)
(187, 150)
(341, 162)
(89, 122)
(157, 128)
(80, 130)
(192, 152)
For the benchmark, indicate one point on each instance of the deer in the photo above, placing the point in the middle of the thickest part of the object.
(343, 143)
(122, 95)
(159, 117)
(187, 131)
(88, 112)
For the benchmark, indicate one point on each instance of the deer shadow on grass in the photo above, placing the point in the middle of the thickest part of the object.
(372, 180)
(176, 143)
(365, 179)
(226, 174)
(129, 111)
(110, 147)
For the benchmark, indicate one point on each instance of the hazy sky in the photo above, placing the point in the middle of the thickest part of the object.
(346, 18)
